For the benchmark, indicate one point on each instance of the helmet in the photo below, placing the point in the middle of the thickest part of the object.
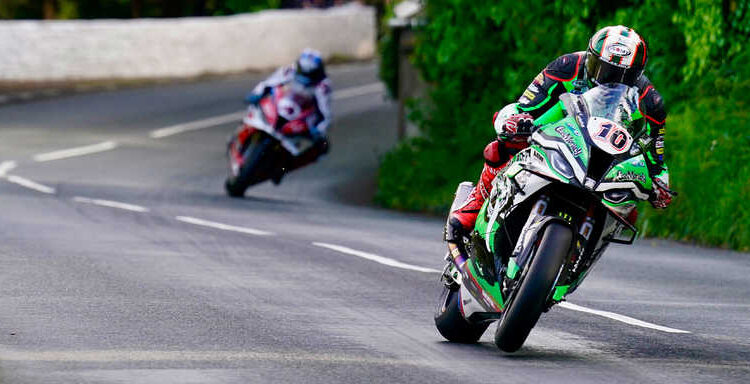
(616, 55)
(309, 68)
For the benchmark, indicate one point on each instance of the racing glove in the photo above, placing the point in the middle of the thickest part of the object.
(253, 98)
(517, 123)
(662, 195)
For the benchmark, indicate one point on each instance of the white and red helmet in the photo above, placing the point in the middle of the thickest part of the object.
(616, 54)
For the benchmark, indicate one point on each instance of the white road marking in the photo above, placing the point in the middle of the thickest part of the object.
(195, 125)
(358, 91)
(225, 227)
(7, 166)
(30, 184)
(78, 151)
(621, 318)
(376, 258)
(111, 204)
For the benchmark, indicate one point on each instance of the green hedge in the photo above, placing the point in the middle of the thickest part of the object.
(479, 56)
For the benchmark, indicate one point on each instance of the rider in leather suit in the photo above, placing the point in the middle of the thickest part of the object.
(615, 54)
(309, 72)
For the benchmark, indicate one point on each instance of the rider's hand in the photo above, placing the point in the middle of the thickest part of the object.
(662, 195)
(516, 123)
(253, 98)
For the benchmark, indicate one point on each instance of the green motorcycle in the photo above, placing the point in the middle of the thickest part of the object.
(550, 216)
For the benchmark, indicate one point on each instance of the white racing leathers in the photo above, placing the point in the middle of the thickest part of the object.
(319, 122)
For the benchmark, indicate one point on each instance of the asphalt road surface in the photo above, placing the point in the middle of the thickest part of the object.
(122, 261)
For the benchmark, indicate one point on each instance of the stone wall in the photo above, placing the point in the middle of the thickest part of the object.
(63, 51)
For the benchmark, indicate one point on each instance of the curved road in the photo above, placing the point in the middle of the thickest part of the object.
(122, 261)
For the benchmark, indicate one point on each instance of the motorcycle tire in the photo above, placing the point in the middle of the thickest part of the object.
(531, 299)
(236, 186)
(451, 323)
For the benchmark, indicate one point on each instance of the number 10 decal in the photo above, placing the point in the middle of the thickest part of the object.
(609, 136)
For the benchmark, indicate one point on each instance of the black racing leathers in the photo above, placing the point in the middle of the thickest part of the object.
(567, 73)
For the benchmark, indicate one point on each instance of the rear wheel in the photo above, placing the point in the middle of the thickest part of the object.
(249, 173)
(451, 323)
(531, 298)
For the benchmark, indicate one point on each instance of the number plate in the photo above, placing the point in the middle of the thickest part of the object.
(609, 136)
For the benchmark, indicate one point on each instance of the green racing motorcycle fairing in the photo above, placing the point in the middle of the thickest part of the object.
(586, 164)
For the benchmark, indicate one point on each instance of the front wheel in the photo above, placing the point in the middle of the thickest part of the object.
(451, 323)
(531, 298)
(253, 163)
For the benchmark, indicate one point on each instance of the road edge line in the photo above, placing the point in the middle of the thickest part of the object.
(111, 204)
(74, 152)
(222, 226)
(30, 184)
(621, 318)
(376, 258)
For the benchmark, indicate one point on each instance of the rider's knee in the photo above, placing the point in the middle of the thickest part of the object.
(495, 154)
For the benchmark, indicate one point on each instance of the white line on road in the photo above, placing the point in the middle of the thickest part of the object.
(111, 204)
(225, 227)
(621, 318)
(78, 151)
(358, 91)
(195, 125)
(7, 166)
(236, 116)
(376, 258)
(30, 184)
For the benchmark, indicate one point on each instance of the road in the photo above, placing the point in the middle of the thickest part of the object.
(122, 261)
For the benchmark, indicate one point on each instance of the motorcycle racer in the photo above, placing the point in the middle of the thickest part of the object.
(615, 54)
(309, 72)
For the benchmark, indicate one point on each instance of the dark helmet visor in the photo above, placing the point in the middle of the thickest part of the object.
(602, 72)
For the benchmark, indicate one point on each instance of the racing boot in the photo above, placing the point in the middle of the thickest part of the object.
(461, 219)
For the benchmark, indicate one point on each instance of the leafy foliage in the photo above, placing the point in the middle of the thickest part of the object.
(479, 56)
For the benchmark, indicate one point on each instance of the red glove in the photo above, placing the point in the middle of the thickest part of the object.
(662, 196)
(519, 122)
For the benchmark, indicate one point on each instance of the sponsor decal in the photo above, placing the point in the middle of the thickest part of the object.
(539, 79)
(568, 139)
(524, 100)
(619, 49)
(533, 88)
(528, 94)
(630, 176)
(528, 156)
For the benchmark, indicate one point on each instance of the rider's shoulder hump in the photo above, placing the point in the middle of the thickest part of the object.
(565, 67)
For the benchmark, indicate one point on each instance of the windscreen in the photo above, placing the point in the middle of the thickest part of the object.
(616, 102)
